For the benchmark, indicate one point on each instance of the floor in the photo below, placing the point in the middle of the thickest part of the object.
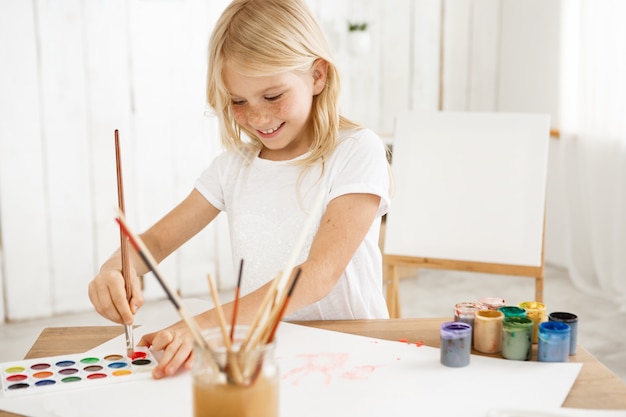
(427, 294)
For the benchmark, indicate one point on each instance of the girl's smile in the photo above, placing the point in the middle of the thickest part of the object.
(269, 133)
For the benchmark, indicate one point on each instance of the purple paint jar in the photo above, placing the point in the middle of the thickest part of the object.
(456, 344)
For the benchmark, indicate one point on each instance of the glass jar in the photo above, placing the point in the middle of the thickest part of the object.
(554, 339)
(516, 338)
(455, 344)
(535, 311)
(235, 384)
(488, 331)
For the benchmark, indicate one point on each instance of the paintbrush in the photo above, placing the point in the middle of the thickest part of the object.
(231, 367)
(151, 263)
(233, 321)
(283, 307)
(128, 328)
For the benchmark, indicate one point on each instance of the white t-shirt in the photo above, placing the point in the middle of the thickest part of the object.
(268, 202)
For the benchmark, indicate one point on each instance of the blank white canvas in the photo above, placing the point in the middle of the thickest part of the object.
(469, 186)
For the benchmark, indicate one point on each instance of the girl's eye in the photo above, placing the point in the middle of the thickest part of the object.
(273, 98)
(237, 102)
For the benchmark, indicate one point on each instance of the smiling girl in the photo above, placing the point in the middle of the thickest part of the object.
(274, 88)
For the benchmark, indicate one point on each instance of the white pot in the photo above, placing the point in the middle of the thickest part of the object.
(359, 42)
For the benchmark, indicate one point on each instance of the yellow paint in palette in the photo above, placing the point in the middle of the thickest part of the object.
(33, 376)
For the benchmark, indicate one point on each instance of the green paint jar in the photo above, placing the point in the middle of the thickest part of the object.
(517, 338)
(512, 311)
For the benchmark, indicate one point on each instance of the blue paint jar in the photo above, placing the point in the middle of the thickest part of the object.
(517, 338)
(455, 344)
(572, 321)
(553, 341)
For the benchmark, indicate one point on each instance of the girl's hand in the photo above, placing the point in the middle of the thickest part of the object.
(107, 292)
(176, 342)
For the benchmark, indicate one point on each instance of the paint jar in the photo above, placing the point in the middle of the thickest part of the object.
(535, 311)
(488, 331)
(554, 339)
(572, 321)
(234, 384)
(512, 311)
(516, 338)
(490, 303)
(455, 344)
(465, 312)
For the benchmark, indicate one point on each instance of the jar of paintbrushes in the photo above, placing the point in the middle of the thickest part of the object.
(234, 378)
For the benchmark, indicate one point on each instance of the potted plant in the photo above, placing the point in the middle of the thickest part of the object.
(358, 38)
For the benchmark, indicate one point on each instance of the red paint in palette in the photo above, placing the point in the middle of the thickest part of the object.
(138, 355)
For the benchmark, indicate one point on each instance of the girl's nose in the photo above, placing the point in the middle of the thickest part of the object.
(257, 117)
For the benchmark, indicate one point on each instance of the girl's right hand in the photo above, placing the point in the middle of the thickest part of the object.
(107, 293)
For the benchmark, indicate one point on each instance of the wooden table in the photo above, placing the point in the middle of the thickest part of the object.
(595, 388)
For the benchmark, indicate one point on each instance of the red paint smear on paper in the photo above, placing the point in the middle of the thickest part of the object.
(418, 344)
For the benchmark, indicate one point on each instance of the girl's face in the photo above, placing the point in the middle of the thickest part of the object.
(276, 108)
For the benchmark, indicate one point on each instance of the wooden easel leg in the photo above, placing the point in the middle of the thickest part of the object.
(539, 289)
(396, 280)
(393, 292)
(390, 290)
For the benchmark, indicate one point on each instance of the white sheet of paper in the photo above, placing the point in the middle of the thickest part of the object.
(563, 412)
(325, 373)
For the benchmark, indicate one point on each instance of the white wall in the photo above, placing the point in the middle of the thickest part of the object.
(72, 73)
(75, 70)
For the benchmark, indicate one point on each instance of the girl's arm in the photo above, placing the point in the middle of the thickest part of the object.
(107, 292)
(343, 227)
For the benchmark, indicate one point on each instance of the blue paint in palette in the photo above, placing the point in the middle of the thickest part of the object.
(34, 376)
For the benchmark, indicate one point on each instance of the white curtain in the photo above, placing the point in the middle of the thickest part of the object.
(593, 126)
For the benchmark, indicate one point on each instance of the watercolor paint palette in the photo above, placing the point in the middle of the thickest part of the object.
(33, 376)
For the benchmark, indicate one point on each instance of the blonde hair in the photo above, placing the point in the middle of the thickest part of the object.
(263, 37)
